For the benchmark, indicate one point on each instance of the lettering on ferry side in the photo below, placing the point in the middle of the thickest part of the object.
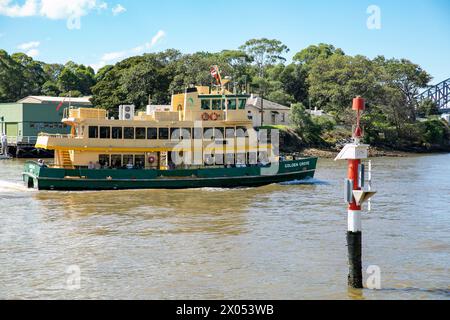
(296, 164)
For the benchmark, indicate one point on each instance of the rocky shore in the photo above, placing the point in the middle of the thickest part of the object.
(290, 143)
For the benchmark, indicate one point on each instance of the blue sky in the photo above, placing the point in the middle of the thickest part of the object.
(98, 32)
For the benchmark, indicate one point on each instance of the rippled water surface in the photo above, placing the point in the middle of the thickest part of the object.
(276, 242)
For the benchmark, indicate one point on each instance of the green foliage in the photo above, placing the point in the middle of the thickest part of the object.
(309, 55)
(265, 52)
(304, 124)
(50, 88)
(74, 77)
(427, 108)
(434, 132)
(11, 78)
(321, 76)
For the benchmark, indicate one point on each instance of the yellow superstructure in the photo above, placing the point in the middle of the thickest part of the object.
(211, 128)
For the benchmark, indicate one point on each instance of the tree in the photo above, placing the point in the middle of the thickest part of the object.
(68, 80)
(144, 80)
(265, 52)
(336, 80)
(293, 80)
(308, 55)
(405, 76)
(33, 75)
(11, 78)
(76, 77)
(194, 69)
(304, 125)
(134, 79)
(239, 63)
(50, 88)
(427, 108)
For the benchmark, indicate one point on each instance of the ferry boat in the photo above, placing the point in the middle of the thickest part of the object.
(203, 139)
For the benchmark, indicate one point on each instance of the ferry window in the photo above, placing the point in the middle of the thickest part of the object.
(208, 133)
(263, 157)
(216, 104)
(229, 133)
(218, 159)
(206, 104)
(152, 133)
(231, 104)
(116, 132)
(218, 133)
(209, 159)
(186, 133)
(103, 159)
(128, 133)
(164, 133)
(198, 133)
(140, 133)
(252, 158)
(242, 103)
(93, 132)
(241, 159)
(105, 132)
(116, 161)
(229, 158)
(128, 160)
(241, 132)
(139, 161)
(175, 133)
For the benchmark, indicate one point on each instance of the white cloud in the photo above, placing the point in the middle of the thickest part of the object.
(118, 9)
(72, 10)
(115, 56)
(30, 48)
(158, 37)
(28, 9)
(32, 53)
(29, 45)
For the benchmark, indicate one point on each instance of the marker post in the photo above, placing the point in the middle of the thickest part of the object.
(355, 196)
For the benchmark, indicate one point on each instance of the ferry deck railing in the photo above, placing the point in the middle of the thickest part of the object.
(15, 140)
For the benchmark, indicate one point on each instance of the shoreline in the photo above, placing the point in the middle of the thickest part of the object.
(373, 153)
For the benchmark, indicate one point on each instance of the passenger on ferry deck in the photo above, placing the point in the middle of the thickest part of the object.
(97, 166)
(41, 163)
(4, 144)
(91, 165)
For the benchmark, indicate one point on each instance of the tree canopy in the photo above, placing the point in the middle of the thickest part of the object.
(319, 76)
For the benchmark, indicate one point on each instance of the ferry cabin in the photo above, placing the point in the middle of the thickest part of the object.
(202, 127)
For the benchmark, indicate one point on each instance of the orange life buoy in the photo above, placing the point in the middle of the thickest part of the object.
(214, 116)
(151, 159)
(205, 116)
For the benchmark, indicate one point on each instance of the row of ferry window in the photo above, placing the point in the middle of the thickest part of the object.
(165, 133)
(138, 161)
(222, 104)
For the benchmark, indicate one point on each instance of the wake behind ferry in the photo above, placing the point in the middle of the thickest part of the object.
(203, 139)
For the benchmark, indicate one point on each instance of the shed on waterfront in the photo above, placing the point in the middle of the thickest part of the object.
(22, 121)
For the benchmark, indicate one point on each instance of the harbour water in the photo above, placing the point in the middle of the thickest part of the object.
(275, 242)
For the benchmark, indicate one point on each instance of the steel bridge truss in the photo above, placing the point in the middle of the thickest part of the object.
(439, 93)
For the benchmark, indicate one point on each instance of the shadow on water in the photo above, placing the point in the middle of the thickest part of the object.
(362, 294)
(437, 291)
(147, 212)
(312, 181)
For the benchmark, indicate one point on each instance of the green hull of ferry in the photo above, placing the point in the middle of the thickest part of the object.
(46, 178)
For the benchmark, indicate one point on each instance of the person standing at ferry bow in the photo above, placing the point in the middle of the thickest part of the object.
(4, 144)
